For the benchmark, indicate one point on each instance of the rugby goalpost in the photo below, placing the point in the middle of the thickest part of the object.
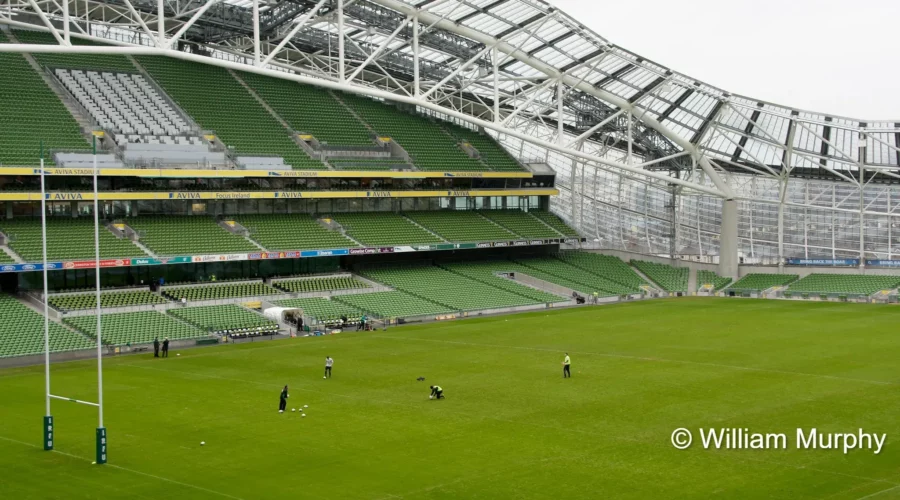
(49, 425)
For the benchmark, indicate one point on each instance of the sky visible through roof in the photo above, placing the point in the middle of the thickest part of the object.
(831, 56)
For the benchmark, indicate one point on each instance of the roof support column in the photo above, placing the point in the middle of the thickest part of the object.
(160, 23)
(560, 87)
(415, 46)
(340, 17)
(256, 32)
(494, 55)
(728, 244)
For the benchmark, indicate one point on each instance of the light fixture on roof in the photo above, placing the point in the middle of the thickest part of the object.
(666, 88)
(370, 30)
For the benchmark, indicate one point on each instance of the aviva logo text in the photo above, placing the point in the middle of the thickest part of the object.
(184, 196)
(64, 196)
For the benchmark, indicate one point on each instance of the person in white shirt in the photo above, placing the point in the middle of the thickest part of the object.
(566, 363)
(328, 364)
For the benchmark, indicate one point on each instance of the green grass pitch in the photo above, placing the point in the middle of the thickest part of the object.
(510, 426)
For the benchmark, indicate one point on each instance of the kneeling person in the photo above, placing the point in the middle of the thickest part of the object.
(436, 392)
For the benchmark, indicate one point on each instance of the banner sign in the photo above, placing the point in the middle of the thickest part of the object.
(90, 264)
(883, 263)
(297, 254)
(20, 268)
(823, 262)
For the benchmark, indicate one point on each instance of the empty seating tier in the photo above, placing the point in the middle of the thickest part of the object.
(491, 152)
(711, 278)
(124, 103)
(217, 292)
(581, 280)
(671, 279)
(187, 235)
(311, 110)
(323, 310)
(107, 299)
(484, 272)
(27, 106)
(292, 232)
(461, 226)
(848, 284)
(135, 328)
(441, 286)
(310, 285)
(605, 266)
(228, 319)
(759, 281)
(394, 304)
(97, 62)
(521, 223)
(555, 222)
(67, 239)
(384, 228)
(429, 146)
(245, 125)
(22, 332)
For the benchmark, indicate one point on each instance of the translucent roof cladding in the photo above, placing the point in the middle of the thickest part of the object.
(733, 128)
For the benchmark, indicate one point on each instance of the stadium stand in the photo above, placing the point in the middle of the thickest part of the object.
(483, 272)
(326, 284)
(95, 62)
(711, 278)
(228, 319)
(565, 274)
(219, 291)
(396, 304)
(187, 235)
(292, 232)
(760, 281)
(491, 153)
(67, 239)
(200, 90)
(555, 222)
(847, 284)
(441, 286)
(323, 310)
(311, 110)
(605, 266)
(22, 332)
(384, 228)
(671, 279)
(27, 105)
(107, 299)
(135, 327)
(429, 146)
(520, 223)
(461, 226)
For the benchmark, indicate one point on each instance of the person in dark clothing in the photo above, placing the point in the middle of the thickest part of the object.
(436, 392)
(156, 347)
(166, 348)
(282, 404)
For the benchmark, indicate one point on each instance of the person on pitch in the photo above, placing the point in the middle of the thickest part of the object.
(566, 363)
(156, 347)
(328, 364)
(282, 404)
(166, 348)
(436, 392)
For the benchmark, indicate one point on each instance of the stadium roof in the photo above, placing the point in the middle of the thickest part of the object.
(540, 53)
